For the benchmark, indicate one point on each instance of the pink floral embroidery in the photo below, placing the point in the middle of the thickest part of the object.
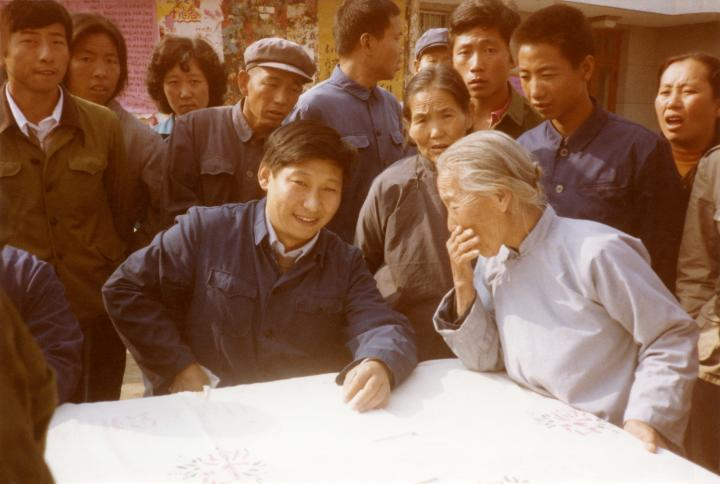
(574, 421)
(223, 467)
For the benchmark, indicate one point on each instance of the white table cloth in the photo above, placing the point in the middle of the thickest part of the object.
(444, 424)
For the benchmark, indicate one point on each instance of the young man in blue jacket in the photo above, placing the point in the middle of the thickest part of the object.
(261, 291)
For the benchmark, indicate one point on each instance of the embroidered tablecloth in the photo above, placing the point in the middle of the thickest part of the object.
(444, 424)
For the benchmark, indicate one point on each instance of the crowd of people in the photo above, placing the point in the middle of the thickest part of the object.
(334, 229)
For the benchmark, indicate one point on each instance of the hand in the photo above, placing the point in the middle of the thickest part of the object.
(462, 247)
(646, 433)
(191, 379)
(367, 386)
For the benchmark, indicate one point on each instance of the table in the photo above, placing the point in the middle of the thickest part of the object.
(444, 424)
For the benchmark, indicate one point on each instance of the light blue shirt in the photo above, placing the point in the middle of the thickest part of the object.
(578, 314)
(279, 248)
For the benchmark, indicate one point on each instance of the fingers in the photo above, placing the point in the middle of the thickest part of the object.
(644, 432)
(352, 384)
(367, 386)
(374, 394)
(462, 242)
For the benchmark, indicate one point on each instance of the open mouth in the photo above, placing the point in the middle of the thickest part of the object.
(311, 221)
(673, 121)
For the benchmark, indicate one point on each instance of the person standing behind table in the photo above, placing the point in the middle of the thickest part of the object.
(688, 106)
(367, 38)
(480, 32)
(39, 297)
(432, 48)
(184, 75)
(570, 308)
(402, 229)
(292, 300)
(214, 154)
(98, 72)
(597, 165)
(65, 176)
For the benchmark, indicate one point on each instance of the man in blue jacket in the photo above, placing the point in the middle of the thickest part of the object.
(35, 290)
(261, 291)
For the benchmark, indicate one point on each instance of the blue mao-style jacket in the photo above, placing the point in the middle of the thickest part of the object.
(208, 290)
(33, 287)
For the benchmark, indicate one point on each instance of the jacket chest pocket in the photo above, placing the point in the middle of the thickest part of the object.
(607, 202)
(232, 303)
(90, 165)
(318, 321)
(9, 168)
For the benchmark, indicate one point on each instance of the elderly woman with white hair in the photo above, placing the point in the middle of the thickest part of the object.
(569, 308)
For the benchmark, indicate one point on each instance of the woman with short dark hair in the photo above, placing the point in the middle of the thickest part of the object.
(98, 72)
(184, 75)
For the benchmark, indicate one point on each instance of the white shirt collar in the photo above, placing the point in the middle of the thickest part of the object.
(44, 127)
(278, 246)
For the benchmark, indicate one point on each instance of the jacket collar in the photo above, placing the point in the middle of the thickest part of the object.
(339, 78)
(260, 233)
(70, 115)
(242, 127)
(587, 131)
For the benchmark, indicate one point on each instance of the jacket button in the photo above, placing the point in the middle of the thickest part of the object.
(53, 221)
(564, 152)
(35, 161)
(59, 256)
(559, 188)
(268, 333)
(48, 187)
(249, 174)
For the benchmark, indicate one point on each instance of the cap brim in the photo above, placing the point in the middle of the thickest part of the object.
(284, 67)
(430, 46)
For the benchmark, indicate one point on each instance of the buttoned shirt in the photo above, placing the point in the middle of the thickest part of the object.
(616, 172)
(72, 201)
(402, 231)
(42, 129)
(578, 314)
(279, 248)
(39, 296)
(368, 119)
(518, 117)
(209, 290)
(212, 158)
(698, 283)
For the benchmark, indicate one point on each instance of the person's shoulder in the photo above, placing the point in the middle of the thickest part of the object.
(535, 135)
(590, 240)
(338, 252)
(95, 112)
(205, 114)
(400, 172)
(622, 126)
(219, 214)
(322, 91)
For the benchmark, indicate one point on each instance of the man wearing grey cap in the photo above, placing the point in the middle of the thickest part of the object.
(214, 154)
(433, 47)
(367, 38)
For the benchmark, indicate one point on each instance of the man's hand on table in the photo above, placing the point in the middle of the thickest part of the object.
(367, 386)
(191, 379)
(646, 433)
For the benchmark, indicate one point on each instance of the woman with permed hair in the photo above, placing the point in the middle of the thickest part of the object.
(184, 75)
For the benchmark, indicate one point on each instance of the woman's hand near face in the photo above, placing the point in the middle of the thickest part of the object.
(463, 249)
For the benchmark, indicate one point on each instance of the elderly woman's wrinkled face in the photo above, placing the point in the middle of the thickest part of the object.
(686, 108)
(436, 121)
(484, 213)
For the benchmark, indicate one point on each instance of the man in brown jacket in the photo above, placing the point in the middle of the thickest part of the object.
(64, 174)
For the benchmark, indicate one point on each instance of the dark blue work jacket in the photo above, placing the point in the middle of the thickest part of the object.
(209, 290)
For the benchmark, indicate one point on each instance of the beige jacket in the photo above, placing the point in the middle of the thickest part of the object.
(698, 282)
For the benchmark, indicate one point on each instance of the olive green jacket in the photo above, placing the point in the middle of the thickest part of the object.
(519, 117)
(70, 205)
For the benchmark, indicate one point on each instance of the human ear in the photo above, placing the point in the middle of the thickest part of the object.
(264, 174)
(504, 200)
(587, 67)
(243, 78)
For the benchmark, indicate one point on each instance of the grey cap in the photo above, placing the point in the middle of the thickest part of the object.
(431, 38)
(280, 54)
